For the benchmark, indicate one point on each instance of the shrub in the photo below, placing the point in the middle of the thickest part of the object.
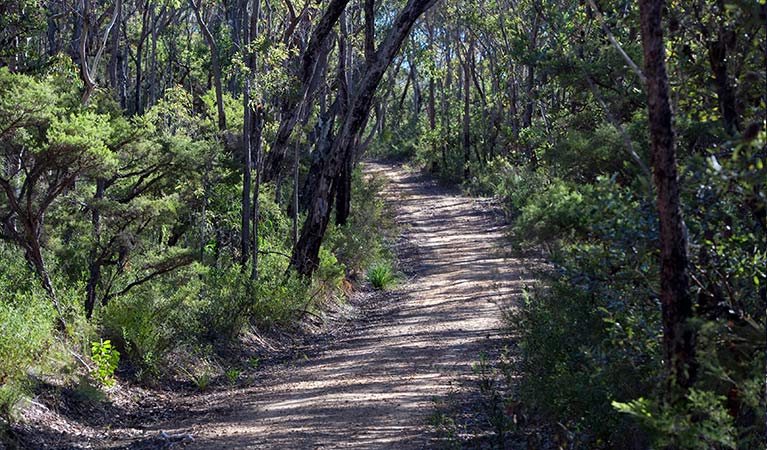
(558, 211)
(512, 185)
(106, 358)
(224, 303)
(140, 326)
(367, 235)
(590, 334)
(280, 298)
(27, 323)
(381, 276)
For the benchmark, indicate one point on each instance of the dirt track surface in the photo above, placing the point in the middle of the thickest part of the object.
(376, 388)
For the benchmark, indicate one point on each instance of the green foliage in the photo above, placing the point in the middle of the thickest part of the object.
(233, 108)
(232, 375)
(106, 358)
(10, 395)
(224, 303)
(701, 421)
(282, 298)
(26, 327)
(381, 276)
(368, 235)
(555, 212)
(140, 325)
(87, 132)
(512, 184)
(590, 334)
(200, 375)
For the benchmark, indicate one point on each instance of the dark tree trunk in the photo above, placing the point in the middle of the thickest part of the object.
(257, 120)
(530, 91)
(114, 54)
(94, 263)
(137, 105)
(717, 56)
(215, 65)
(52, 31)
(466, 134)
(677, 307)
(448, 84)
(305, 257)
(344, 193)
(514, 113)
(249, 31)
(313, 60)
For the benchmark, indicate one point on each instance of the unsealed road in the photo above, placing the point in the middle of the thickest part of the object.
(376, 388)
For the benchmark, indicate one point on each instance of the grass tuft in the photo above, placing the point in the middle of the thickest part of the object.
(382, 276)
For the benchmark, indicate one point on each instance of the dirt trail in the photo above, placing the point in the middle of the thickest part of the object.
(376, 388)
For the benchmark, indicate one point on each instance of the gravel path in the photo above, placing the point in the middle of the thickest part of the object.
(376, 388)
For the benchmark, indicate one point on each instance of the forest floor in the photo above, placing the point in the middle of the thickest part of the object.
(378, 383)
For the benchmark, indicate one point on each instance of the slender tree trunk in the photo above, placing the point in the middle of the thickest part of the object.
(94, 263)
(153, 58)
(514, 113)
(215, 63)
(52, 31)
(247, 131)
(677, 307)
(344, 193)
(717, 56)
(137, 104)
(527, 117)
(257, 130)
(466, 134)
(114, 54)
(296, 181)
(305, 257)
(448, 84)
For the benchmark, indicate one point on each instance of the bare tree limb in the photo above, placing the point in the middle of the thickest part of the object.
(615, 43)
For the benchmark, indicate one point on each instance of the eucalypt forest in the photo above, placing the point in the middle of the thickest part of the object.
(513, 224)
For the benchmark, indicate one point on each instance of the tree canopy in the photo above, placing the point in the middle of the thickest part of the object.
(171, 169)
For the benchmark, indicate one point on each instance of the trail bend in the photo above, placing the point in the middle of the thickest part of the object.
(376, 388)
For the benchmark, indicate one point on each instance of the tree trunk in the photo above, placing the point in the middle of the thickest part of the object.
(114, 54)
(466, 134)
(257, 130)
(137, 105)
(313, 61)
(215, 63)
(94, 263)
(717, 56)
(344, 193)
(249, 27)
(448, 84)
(527, 117)
(677, 308)
(305, 257)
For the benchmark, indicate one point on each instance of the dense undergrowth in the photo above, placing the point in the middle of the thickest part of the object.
(571, 166)
(171, 301)
(589, 333)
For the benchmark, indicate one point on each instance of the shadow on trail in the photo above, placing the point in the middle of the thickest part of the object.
(376, 388)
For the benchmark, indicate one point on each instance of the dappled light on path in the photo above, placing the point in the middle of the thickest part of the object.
(376, 388)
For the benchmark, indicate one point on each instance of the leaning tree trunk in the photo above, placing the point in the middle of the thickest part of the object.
(313, 61)
(676, 302)
(305, 257)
